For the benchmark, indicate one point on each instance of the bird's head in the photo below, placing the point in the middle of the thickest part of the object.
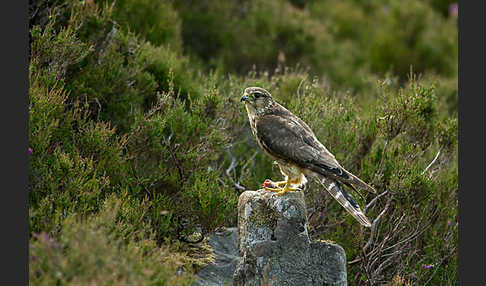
(257, 100)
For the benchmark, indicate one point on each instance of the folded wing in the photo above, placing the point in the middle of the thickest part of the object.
(288, 138)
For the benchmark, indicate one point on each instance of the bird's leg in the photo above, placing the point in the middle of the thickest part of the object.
(279, 183)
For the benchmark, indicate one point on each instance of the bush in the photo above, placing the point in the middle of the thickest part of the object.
(393, 35)
(74, 160)
(156, 21)
(90, 252)
(425, 40)
(102, 104)
(267, 34)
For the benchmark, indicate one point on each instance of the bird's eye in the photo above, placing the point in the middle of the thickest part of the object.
(257, 94)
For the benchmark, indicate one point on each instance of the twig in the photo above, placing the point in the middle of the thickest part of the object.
(384, 264)
(246, 164)
(355, 261)
(390, 236)
(433, 161)
(412, 236)
(373, 201)
(378, 174)
(373, 225)
(300, 84)
(231, 167)
(239, 187)
(174, 156)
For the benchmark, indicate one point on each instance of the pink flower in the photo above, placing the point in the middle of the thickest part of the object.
(453, 10)
(30, 151)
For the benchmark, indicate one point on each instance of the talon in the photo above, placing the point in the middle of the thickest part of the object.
(271, 186)
(277, 189)
(286, 189)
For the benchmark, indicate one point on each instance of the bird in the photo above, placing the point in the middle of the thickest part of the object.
(294, 147)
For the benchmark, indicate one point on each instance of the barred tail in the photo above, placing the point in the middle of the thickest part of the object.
(345, 199)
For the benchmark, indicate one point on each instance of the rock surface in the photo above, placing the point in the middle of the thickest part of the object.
(274, 245)
(220, 273)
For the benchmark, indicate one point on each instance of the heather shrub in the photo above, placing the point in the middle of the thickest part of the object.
(74, 160)
(323, 36)
(52, 52)
(170, 152)
(417, 182)
(268, 34)
(442, 6)
(109, 113)
(446, 90)
(155, 21)
(414, 35)
(393, 35)
(88, 251)
(168, 68)
(120, 67)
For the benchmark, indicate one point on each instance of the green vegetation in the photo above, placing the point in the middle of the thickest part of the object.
(139, 138)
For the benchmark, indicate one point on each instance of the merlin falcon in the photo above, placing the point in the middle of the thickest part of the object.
(293, 146)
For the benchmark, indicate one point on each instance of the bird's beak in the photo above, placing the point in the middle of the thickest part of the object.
(244, 98)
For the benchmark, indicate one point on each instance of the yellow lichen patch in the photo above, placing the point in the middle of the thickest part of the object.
(264, 215)
(326, 241)
(194, 255)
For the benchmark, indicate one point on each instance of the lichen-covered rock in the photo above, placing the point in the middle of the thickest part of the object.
(274, 245)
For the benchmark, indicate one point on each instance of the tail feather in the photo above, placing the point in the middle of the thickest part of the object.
(341, 174)
(357, 181)
(344, 199)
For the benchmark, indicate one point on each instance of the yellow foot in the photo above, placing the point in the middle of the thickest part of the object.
(277, 189)
(280, 183)
(287, 189)
(271, 186)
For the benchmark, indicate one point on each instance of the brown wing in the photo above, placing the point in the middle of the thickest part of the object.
(283, 139)
(309, 134)
(286, 138)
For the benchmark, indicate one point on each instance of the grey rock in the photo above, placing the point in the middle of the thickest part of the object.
(220, 273)
(274, 245)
